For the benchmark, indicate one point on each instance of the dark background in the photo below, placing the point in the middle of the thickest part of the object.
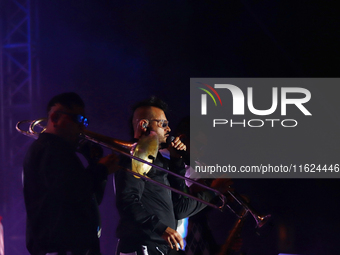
(115, 53)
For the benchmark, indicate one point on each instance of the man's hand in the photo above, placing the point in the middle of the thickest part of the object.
(173, 238)
(90, 150)
(111, 162)
(176, 146)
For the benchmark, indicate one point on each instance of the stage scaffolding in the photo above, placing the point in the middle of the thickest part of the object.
(19, 90)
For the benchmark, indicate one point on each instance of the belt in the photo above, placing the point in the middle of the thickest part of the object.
(69, 253)
(61, 253)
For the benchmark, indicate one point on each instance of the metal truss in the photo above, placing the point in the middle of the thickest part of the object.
(18, 91)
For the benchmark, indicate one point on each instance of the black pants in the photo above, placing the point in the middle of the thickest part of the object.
(141, 248)
(69, 253)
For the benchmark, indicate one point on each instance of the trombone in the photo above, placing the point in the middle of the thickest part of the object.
(142, 162)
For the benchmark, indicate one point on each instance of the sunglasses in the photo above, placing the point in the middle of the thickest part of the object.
(77, 118)
(161, 123)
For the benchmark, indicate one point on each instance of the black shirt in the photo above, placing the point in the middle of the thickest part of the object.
(62, 210)
(147, 209)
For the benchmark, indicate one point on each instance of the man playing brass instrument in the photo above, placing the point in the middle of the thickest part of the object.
(61, 196)
(148, 212)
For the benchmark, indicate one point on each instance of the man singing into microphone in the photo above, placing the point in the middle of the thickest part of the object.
(149, 212)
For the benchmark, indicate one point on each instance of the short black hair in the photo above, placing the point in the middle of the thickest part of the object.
(68, 99)
(152, 101)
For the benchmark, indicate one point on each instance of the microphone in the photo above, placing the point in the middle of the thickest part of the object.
(185, 155)
(169, 140)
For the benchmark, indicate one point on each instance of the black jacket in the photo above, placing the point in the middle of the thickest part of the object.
(147, 209)
(62, 209)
